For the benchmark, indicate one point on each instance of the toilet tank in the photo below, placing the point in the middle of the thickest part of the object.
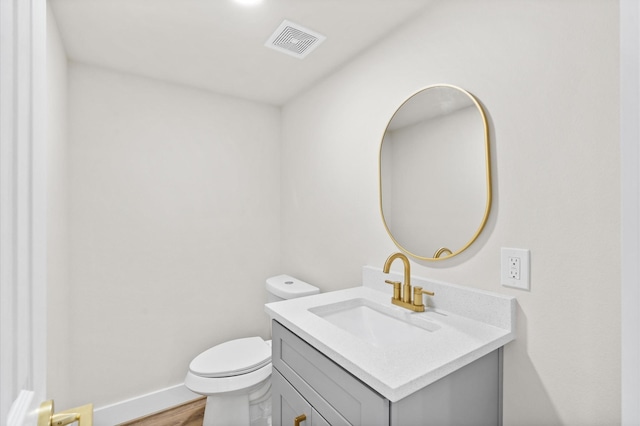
(283, 287)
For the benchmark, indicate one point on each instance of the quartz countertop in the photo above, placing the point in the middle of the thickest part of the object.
(470, 324)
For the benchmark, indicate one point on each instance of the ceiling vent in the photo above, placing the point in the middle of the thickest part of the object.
(294, 39)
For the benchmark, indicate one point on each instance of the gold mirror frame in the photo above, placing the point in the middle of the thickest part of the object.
(443, 252)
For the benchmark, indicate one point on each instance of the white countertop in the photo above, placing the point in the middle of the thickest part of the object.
(470, 327)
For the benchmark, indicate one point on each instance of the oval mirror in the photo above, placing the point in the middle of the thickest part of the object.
(435, 177)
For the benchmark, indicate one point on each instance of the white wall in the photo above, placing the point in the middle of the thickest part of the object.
(547, 74)
(58, 352)
(174, 226)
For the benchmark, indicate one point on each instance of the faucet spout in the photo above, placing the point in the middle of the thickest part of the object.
(406, 289)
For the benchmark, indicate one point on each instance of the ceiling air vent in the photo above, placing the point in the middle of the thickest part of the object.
(294, 39)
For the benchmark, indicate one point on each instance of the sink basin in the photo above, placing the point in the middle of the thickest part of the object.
(377, 324)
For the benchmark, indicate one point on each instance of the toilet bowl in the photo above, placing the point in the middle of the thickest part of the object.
(235, 376)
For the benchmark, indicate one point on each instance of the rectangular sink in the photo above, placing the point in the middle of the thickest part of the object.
(379, 325)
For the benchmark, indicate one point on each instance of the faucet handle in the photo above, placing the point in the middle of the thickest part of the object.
(417, 295)
(396, 288)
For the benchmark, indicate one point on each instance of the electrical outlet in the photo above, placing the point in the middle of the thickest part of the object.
(514, 268)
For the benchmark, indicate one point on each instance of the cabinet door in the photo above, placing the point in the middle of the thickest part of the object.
(317, 419)
(289, 405)
(339, 397)
(469, 396)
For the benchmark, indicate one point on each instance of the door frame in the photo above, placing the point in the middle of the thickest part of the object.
(630, 209)
(22, 201)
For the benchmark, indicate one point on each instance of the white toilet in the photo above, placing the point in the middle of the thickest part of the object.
(236, 375)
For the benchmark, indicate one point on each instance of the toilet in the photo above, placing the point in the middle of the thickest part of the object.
(235, 376)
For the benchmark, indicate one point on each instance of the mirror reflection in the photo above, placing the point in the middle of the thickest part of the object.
(435, 186)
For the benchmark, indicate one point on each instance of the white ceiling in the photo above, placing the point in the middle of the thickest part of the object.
(218, 45)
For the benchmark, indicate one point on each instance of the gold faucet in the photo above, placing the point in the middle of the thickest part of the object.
(404, 298)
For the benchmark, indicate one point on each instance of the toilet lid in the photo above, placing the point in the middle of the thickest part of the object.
(232, 358)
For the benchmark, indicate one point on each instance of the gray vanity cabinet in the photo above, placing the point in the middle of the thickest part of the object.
(337, 396)
(307, 382)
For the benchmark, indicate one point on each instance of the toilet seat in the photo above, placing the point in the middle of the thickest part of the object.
(232, 358)
(242, 383)
(233, 366)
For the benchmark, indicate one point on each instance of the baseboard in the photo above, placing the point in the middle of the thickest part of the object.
(142, 405)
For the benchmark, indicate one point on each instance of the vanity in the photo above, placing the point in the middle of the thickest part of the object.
(379, 355)
(350, 357)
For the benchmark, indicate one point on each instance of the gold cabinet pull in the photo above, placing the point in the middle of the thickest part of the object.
(301, 418)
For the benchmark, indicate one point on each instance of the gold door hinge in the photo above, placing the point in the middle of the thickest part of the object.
(83, 415)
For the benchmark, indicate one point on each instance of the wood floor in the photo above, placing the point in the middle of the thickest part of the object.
(188, 414)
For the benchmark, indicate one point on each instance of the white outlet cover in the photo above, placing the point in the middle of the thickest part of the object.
(524, 283)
